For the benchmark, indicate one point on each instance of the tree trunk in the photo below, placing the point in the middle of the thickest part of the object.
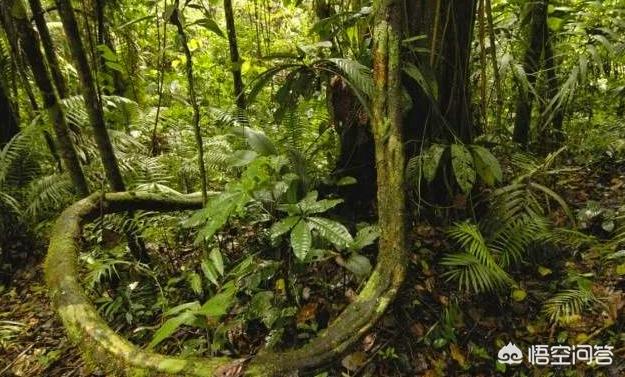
(352, 124)
(93, 103)
(357, 151)
(449, 27)
(556, 118)
(10, 124)
(235, 60)
(175, 19)
(387, 122)
(30, 43)
(531, 65)
(91, 95)
(48, 47)
(16, 52)
(103, 38)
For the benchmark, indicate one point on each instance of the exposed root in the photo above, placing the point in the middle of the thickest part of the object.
(104, 348)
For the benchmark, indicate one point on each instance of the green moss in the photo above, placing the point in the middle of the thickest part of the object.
(103, 348)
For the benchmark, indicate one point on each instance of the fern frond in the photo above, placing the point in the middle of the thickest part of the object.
(470, 239)
(472, 274)
(48, 193)
(568, 303)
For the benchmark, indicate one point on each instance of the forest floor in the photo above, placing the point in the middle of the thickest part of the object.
(32, 338)
(33, 341)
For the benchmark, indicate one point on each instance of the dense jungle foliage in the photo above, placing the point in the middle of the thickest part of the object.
(311, 187)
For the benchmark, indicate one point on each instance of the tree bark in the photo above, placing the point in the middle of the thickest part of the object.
(16, 52)
(10, 124)
(449, 27)
(103, 38)
(553, 87)
(387, 122)
(531, 65)
(48, 47)
(105, 347)
(239, 93)
(30, 43)
(175, 19)
(91, 96)
(95, 110)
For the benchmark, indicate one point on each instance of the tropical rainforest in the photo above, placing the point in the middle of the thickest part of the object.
(312, 187)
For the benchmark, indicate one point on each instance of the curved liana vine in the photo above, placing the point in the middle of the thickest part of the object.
(117, 356)
(104, 348)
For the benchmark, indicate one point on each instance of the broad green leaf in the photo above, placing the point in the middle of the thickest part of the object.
(486, 165)
(365, 237)
(359, 265)
(431, 160)
(331, 230)
(259, 142)
(219, 304)
(216, 213)
(323, 205)
(179, 308)
(241, 158)
(427, 84)
(218, 262)
(195, 282)
(283, 226)
(108, 54)
(210, 272)
(301, 240)
(114, 66)
(462, 164)
(211, 25)
(261, 307)
(170, 326)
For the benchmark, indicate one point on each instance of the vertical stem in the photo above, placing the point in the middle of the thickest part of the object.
(531, 65)
(437, 16)
(91, 96)
(162, 47)
(493, 57)
(387, 127)
(239, 94)
(48, 47)
(30, 43)
(10, 125)
(192, 97)
(483, 78)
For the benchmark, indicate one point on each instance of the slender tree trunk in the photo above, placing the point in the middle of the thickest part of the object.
(93, 103)
(9, 127)
(239, 93)
(30, 43)
(103, 38)
(531, 65)
(387, 116)
(553, 87)
(48, 47)
(91, 96)
(16, 52)
(493, 58)
(175, 19)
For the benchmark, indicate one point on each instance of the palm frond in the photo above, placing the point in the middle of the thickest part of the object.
(48, 193)
(567, 304)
